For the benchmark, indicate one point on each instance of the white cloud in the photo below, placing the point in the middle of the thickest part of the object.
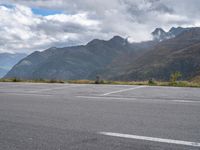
(23, 31)
(80, 18)
(84, 20)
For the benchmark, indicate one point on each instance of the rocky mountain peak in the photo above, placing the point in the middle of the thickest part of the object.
(159, 34)
(158, 31)
(118, 40)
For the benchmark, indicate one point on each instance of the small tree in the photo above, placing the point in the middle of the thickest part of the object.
(175, 76)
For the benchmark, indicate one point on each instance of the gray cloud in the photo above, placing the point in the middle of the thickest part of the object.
(83, 20)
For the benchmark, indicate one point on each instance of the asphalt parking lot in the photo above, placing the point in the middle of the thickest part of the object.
(78, 116)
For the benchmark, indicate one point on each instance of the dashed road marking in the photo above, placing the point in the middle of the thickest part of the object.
(152, 139)
(124, 90)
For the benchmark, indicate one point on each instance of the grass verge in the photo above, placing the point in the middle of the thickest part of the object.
(149, 83)
(32, 81)
(154, 83)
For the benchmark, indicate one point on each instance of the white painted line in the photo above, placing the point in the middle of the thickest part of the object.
(186, 101)
(119, 91)
(56, 88)
(100, 98)
(24, 94)
(111, 98)
(152, 139)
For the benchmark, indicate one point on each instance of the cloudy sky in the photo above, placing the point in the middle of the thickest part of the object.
(29, 25)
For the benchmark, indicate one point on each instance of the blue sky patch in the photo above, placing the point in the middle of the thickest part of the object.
(45, 12)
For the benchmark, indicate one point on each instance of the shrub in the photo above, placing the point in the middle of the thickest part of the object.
(52, 81)
(55, 81)
(15, 80)
(175, 76)
(151, 82)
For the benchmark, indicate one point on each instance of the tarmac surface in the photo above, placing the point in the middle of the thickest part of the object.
(36, 116)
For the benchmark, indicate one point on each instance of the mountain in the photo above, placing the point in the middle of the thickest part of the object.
(181, 53)
(117, 59)
(78, 62)
(8, 60)
(160, 35)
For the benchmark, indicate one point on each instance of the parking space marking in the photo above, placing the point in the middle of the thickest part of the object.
(124, 90)
(56, 88)
(100, 98)
(107, 98)
(26, 94)
(151, 139)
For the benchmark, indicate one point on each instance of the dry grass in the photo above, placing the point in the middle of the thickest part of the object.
(193, 83)
(81, 81)
(154, 83)
(196, 79)
(32, 81)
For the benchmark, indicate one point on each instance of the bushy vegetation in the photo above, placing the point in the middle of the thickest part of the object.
(11, 80)
(152, 82)
(175, 76)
